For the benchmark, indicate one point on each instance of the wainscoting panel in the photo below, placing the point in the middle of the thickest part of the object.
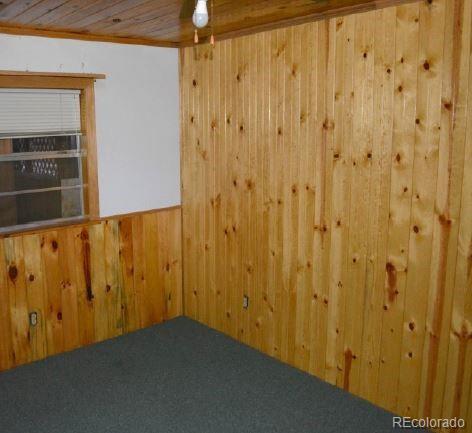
(87, 283)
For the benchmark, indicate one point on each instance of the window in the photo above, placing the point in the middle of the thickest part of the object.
(47, 169)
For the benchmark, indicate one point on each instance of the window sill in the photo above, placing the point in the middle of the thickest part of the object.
(42, 228)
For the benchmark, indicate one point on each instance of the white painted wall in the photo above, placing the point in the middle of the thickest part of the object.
(137, 110)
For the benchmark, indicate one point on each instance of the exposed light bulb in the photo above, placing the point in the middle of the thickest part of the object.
(200, 16)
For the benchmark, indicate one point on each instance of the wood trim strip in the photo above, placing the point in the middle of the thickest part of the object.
(88, 110)
(143, 212)
(86, 222)
(52, 74)
(31, 31)
(44, 82)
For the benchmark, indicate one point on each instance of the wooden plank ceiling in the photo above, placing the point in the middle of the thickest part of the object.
(158, 22)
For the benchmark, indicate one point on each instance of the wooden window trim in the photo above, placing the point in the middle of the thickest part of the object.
(86, 84)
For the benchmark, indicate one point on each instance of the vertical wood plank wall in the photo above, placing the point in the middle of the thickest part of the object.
(327, 174)
(87, 283)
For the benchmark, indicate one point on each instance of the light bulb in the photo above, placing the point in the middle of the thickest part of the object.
(200, 16)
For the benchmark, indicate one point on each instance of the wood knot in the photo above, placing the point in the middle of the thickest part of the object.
(411, 325)
(280, 51)
(31, 278)
(400, 88)
(416, 229)
(194, 82)
(215, 202)
(54, 245)
(392, 281)
(84, 235)
(108, 288)
(59, 315)
(12, 272)
(426, 65)
(444, 221)
(327, 124)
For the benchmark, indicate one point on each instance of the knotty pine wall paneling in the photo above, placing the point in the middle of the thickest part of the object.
(87, 283)
(327, 174)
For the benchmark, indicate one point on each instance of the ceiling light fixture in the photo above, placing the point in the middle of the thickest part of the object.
(200, 16)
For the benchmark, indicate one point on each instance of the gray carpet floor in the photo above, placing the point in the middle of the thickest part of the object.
(179, 377)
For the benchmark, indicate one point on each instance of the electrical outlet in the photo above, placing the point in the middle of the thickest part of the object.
(245, 302)
(33, 318)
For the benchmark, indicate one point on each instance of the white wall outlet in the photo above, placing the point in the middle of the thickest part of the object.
(245, 302)
(33, 317)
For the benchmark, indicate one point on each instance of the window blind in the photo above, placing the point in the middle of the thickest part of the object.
(39, 112)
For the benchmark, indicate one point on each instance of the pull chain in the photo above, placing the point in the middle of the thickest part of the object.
(212, 37)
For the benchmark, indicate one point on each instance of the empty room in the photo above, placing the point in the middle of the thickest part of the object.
(246, 216)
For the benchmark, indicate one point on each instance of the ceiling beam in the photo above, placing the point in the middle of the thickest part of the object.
(31, 31)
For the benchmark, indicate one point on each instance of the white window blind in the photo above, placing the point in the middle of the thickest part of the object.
(39, 112)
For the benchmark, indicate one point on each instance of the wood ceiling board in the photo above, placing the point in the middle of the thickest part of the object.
(133, 20)
(157, 22)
